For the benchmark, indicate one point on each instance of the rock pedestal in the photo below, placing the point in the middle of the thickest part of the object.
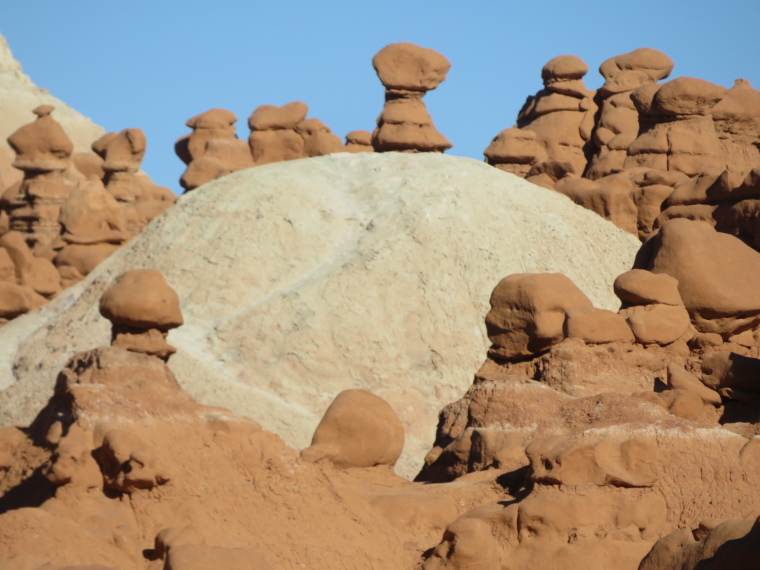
(408, 72)
(42, 152)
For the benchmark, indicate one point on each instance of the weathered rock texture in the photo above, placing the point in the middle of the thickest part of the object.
(608, 443)
(300, 280)
(122, 469)
(686, 148)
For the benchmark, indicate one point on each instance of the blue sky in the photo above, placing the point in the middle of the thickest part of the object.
(155, 64)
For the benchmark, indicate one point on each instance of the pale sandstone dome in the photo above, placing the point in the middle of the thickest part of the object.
(299, 280)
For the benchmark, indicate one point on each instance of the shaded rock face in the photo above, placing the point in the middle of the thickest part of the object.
(408, 72)
(609, 445)
(638, 152)
(294, 309)
(731, 544)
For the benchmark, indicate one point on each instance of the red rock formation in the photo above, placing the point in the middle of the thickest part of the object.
(359, 141)
(593, 449)
(42, 152)
(408, 72)
(142, 308)
(687, 146)
(284, 133)
(560, 119)
(63, 211)
(273, 132)
(359, 429)
(122, 469)
(618, 123)
(212, 149)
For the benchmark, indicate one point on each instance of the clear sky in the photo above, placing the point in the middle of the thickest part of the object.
(154, 64)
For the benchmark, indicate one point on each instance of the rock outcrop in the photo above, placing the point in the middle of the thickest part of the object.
(359, 429)
(686, 148)
(408, 72)
(19, 95)
(122, 469)
(593, 463)
(284, 133)
(212, 149)
(367, 270)
(561, 118)
(68, 220)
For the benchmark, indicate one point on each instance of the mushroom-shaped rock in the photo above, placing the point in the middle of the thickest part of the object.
(408, 71)
(408, 67)
(514, 150)
(631, 70)
(41, 146)
(528, 312)
(564, 74)
(563, 67)
(359, 429)
(142, 307)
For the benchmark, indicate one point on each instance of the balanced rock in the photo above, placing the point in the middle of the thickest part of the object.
(43, 151)
(407, 72)
(212, 124)
(41, 146)
(561, 114)
(142, 308)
